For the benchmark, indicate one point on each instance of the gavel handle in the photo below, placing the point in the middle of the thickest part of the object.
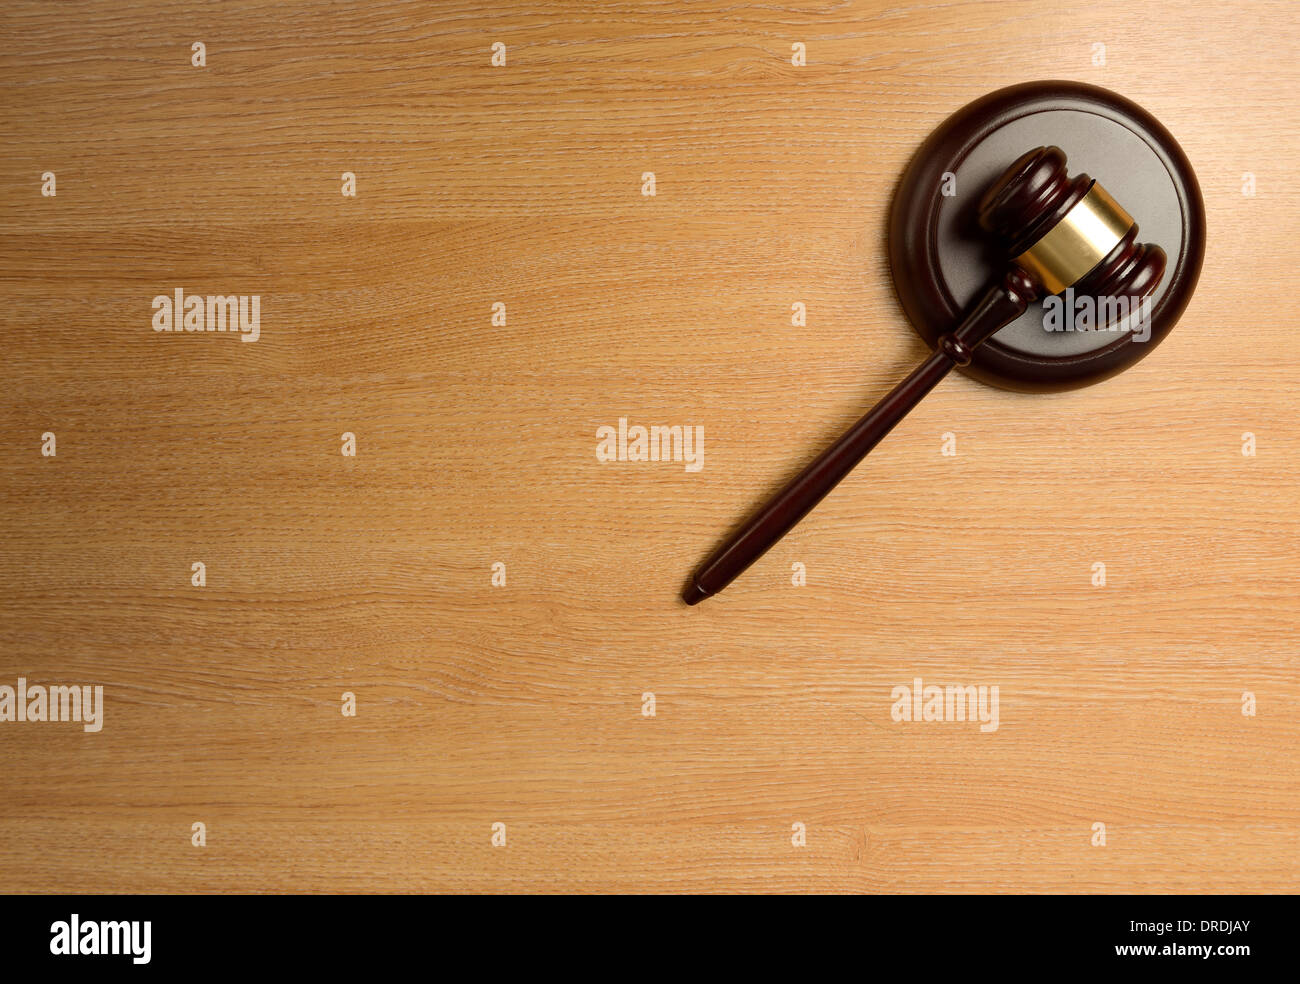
(1000, 306)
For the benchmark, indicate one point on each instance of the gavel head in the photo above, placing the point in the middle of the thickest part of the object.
(1064, 231)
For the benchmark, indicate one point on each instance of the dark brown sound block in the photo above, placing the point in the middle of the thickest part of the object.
(941, 260)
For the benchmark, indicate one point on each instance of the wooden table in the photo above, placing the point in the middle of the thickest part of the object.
(525, 704)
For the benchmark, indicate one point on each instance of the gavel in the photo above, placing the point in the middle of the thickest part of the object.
(1059, 232)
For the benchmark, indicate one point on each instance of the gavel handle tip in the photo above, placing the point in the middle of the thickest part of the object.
(693, 594)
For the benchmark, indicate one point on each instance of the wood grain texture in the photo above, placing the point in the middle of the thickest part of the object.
(522, 704)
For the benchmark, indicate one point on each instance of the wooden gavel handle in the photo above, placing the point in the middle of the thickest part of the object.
(1000, 306)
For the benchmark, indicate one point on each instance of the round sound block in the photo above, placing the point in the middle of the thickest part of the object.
(941, 260)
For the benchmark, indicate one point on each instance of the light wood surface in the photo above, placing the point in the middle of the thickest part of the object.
(522, 704)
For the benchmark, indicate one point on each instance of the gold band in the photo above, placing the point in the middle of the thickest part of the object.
(1078, 242)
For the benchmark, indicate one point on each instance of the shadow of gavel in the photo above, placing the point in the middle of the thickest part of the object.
(1059, 232)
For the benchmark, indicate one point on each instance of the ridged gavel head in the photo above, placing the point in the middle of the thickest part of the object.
(1068, 232)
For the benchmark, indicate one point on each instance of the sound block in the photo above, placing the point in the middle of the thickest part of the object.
(941, 260)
